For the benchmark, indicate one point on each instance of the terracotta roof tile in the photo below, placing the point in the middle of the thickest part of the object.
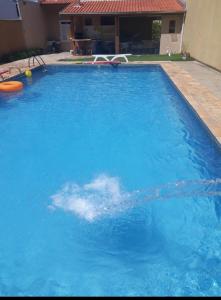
(56, 1)
(123, 6)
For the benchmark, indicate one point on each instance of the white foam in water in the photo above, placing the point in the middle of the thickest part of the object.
(105, 196)
(101, 196)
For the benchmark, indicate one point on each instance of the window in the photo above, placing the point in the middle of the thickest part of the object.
(65, 30)
(107, 21)
(9, 10)
(88, 21)
(172, 26)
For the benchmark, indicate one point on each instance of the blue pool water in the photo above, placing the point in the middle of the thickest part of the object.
(85, 153)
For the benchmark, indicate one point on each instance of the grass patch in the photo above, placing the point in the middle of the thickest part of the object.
(133, 58)
(164, 57)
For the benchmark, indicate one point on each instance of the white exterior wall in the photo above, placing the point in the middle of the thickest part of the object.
(171, 41)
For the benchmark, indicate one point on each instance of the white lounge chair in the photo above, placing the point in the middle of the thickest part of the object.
(107, 56)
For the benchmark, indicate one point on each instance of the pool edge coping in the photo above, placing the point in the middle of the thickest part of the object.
(204, 103)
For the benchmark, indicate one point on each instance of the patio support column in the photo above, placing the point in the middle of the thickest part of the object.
(73, 27)
(117, 35)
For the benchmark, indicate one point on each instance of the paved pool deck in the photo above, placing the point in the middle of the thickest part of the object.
(202, 91)
(199, 84)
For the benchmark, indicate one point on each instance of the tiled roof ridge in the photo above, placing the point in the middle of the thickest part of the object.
(82, 1)
(57, 1)
(180, 2)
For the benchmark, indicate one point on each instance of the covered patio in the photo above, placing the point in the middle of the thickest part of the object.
(140, 34)
(115, 34)
(119, 26)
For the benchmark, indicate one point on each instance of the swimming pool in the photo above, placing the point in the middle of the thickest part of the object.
(81, 150)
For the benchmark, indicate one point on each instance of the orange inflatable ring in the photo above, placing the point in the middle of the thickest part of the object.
(11, 86)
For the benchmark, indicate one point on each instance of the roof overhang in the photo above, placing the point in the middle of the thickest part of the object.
(121, 13)
(122, 7)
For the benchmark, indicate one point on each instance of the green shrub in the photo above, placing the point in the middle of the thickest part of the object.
(19, 55)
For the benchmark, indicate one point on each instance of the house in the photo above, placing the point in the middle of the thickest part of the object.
(202, 31)
(111, 26)
(117, 26)
(22, 26)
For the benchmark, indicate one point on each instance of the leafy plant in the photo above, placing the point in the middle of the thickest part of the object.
(19, 55)
(156, 29)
